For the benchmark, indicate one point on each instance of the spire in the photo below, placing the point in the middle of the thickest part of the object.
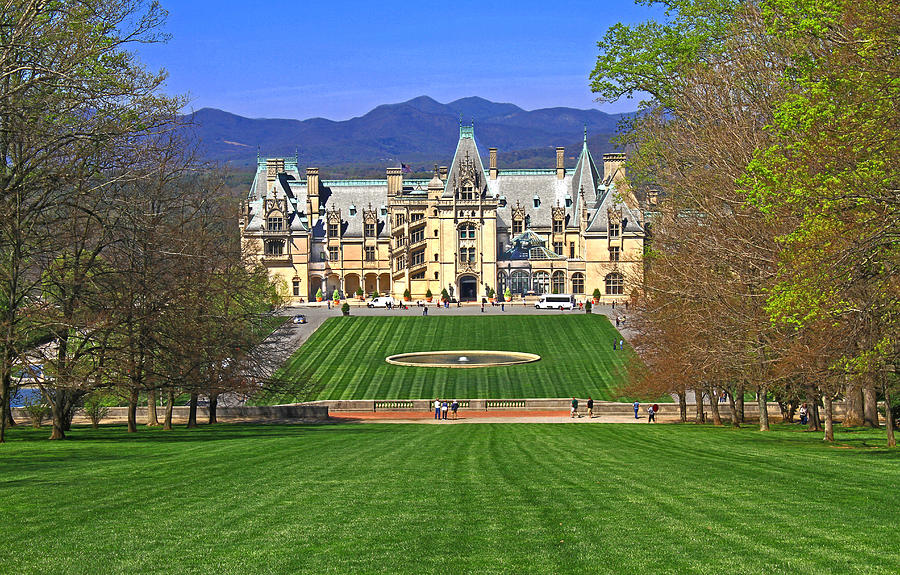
(585, 135)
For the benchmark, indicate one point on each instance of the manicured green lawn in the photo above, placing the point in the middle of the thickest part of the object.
(345, 356)
(480, 498)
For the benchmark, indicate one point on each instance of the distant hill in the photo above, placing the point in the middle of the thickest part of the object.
(419, 132)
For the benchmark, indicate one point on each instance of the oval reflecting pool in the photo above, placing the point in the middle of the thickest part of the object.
(462, 358)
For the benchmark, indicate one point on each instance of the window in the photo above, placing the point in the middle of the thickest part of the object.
(517, 226)
(419, 275)
(615, 284)
(370, 253)
(417, 236)
(435, 275)
(467, 255)
(435, 233)
(578, 283)
(467, 193)
(540, 283)
(571, 250)
(369, 229)
(275, 223)
(400, 262)
(418, 258)
(274, 247)
(352, 210)
(501, 283)
(558, 284)
(558, 247)
(296, 287)
(416, 217)
(537, 202)
(334, 229)
(467, 231)
(323, 256)
(333, 253)
(401, 219)
(614, 253)
(435, 257)
(613, 230)
(518, 282)
(568, 202)
(557, 226)
(502, 202)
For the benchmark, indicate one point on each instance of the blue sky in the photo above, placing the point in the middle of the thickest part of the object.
(282, 59)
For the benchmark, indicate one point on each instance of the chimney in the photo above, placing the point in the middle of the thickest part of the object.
(560, 163)
(312, 195)
(394, 181)
(274, 166)
(443, 172)
(611, 163)
(493, 170)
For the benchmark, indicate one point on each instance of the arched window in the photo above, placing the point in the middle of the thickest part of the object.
(467, 231)
(518, 282)
(578, 283)
(501, 282)
(558, 284)
(615, 284)
(541, 283)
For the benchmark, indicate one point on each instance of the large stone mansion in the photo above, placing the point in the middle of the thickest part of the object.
(466, 230)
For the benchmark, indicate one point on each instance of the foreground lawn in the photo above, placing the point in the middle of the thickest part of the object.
(505, 498)
(345, 357)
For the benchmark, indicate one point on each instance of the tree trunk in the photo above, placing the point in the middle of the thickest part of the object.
(853, 415)
(152, 418)
(170, 402)
(812, 404)
(5, 410)
(213, 403)
(763, 408)
(682, 406)
(740, 402)
(829, 418)
(57, 417)
(132, 411)
(714, 406)
(870, 407)
(735, 421)
(192, 412)
(701, 415)
(888, 416)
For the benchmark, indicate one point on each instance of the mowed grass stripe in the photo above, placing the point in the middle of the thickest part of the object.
(346, 355)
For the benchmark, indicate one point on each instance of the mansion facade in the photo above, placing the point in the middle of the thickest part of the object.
(466, 230)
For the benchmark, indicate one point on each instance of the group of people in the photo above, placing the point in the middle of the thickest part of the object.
(590, 408)
(442, 407)
(651, 411)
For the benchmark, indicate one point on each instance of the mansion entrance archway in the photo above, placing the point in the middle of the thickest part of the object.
(468, 288)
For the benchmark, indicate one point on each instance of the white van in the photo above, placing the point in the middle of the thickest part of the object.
(383, 301)
(556, 301)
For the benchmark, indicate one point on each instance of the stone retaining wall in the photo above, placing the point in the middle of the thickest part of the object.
(301, 412)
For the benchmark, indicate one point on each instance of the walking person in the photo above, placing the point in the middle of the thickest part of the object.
(804, 412)
(637, 406)
(454, 407)
(444, 407)
(574, 406)
(590, 404)
(437, 408)
(425, 310)
(651, 413)
(621, 343)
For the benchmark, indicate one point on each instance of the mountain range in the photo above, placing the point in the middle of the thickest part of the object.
(418, 132)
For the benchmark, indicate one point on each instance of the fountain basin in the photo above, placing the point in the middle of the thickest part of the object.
(462, 358)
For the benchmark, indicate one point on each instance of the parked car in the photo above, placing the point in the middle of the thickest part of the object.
(383, 301)
(557, 301)
(299, 318)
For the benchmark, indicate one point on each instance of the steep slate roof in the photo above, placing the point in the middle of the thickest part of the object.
(599, 220)
(586, 176)
(360, 195)
(522, 186)
(465, 148)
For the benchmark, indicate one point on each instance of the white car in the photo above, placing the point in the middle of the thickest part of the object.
(383, 301)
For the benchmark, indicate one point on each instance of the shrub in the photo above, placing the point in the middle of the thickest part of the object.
(375, 294)
(95, 408)
(406, 294)
(428, 293)
(597, 293)
(335, 296)
(587, 307)
(359, 292)
(319, 294)
(444, 295)
(490, 292)
(507, 294)
(36, 409)
(345, 309)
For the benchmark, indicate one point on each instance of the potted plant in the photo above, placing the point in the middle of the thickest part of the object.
(596, 296)
(319, 295)
(406, 295)
(375, 294)
(429, 296)
(345, 309)
(587, 307)
(507, 295)
(444, 295)
(491, 294)
(336, 296)
(360, 294)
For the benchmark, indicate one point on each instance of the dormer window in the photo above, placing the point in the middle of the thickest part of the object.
(537, 202)
(467, 192)
(334, 229)
(275, 223)
(568, 201)
(517, 227)
(614, 230)
(352, 210)
(557, 226)
(369, 229)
